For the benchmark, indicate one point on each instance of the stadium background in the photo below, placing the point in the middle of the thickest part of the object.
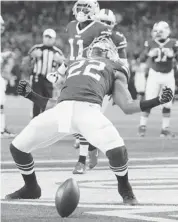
(153, 160)
(25, 22)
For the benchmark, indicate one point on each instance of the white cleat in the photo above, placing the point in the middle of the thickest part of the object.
(79, 168)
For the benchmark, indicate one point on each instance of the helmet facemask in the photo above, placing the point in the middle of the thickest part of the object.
(103, 47)
(161, 31)
(85, 10)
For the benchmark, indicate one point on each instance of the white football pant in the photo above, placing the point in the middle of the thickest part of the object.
(156, 81)
(69, 117)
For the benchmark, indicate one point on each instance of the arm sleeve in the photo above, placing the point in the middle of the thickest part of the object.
(43, 102)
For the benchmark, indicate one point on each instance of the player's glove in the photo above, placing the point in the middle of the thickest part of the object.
(166, 95)
(52, 77)
(24, 88)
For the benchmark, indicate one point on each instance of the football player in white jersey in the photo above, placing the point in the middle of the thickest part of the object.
(161, 52)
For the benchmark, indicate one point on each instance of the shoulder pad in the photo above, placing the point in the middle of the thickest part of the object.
(71, 23)
(34, 47)
(58, 50)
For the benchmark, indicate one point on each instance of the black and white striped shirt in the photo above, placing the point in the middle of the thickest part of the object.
(45, 59)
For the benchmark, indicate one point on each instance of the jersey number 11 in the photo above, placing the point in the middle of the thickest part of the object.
(80, 49)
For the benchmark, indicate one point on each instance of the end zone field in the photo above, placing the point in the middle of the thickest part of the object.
(153, 174)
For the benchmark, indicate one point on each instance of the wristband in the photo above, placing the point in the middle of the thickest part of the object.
(148, 104)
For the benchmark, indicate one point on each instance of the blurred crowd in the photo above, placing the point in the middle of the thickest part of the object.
(26, 20)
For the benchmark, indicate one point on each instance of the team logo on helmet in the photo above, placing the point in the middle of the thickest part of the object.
(86, 10)
(107, 17)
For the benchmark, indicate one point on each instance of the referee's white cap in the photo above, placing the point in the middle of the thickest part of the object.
(50, 32)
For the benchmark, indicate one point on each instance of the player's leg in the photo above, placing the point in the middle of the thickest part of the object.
(80, 167)
(169, 81)
(92, 156)
(92, 150)
(152, 90)
(103, 134)
(42, 131)
(88, 149)
(4, 132)
(140, 83)
(77, 140)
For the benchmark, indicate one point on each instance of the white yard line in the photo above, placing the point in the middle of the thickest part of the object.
(173, 167)
(100, 160)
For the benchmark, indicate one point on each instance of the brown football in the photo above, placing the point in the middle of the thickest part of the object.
(67, 197)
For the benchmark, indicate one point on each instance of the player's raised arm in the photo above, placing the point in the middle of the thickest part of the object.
(123, 98)
(25, 90)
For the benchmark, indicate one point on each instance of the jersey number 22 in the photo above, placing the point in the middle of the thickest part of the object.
(90, 69)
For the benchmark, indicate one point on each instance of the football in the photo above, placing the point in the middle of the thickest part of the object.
(67, 197)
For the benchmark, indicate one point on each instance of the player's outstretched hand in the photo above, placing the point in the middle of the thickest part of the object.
(166, 95)
(24, 88)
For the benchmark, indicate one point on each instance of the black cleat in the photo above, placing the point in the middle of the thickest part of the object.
(25, 193)
(166, 133)
(127, 195)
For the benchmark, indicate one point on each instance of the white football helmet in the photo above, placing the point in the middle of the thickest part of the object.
(86, 10)
(107, 17)
(103, 47)
(2, 24)
(161, 30)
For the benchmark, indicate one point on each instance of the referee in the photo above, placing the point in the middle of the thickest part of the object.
(45, 58)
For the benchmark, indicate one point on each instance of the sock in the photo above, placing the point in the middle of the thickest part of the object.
(118, 160)
(123, 180)
(165, 122)
(82, 159)
(83, 146)
(25, 164)
(2, 119)
(83, 150)
(143, 120)
(166, 112)
(91, 147)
